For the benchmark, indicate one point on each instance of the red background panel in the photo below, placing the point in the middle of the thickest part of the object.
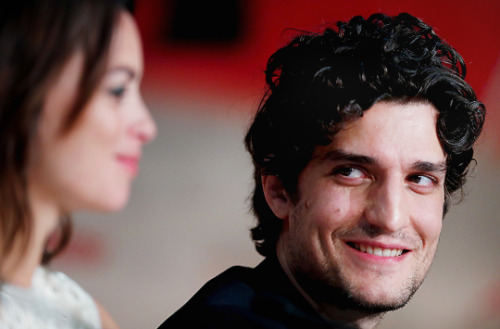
(209, 70)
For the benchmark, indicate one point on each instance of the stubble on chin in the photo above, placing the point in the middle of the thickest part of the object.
(333, 291)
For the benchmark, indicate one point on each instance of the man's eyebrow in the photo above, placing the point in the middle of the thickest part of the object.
(339, 155)
(425, 166)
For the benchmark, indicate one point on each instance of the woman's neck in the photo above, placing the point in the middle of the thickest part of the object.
(22, 261)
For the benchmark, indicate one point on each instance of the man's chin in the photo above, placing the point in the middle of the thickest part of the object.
(375, 308)
(346, 300)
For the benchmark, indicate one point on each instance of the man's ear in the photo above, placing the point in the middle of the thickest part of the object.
(276, 196)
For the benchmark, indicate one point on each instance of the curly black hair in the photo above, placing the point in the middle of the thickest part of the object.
(320, 81)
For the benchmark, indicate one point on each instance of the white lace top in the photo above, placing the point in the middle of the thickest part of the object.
(53, 301)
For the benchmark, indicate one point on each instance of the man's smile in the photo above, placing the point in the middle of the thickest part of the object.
(377, 251)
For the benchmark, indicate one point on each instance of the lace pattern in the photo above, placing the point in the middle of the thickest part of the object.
(53, 301)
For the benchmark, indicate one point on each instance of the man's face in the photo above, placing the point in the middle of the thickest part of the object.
(366, 221)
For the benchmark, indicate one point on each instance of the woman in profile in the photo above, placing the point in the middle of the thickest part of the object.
(72, 125)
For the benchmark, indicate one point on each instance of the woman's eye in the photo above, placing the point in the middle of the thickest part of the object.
(117, 92)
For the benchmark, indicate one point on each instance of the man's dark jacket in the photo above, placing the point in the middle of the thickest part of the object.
(244, 298)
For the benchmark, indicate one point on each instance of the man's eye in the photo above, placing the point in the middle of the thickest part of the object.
(349, 172)
(423, 180)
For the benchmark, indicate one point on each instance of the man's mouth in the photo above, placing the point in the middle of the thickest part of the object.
(377, 251)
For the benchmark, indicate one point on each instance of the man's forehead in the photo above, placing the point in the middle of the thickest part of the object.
(388, 131)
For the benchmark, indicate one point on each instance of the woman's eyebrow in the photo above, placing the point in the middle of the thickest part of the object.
(122, 69)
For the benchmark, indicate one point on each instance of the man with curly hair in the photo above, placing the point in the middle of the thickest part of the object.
(363, 137)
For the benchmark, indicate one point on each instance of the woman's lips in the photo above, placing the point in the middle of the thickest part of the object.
(130, 162)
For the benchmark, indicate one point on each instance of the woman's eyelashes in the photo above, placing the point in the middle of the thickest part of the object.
(118, 91)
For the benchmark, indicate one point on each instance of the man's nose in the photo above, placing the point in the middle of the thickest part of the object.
(387, 206)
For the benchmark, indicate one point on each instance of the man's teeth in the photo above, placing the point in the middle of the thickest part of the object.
(378, 251)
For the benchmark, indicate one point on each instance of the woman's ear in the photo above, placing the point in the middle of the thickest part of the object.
(276, 196)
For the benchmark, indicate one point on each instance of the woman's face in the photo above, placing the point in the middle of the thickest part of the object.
(92, 166)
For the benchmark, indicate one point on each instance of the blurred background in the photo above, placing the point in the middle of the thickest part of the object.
(188, 217)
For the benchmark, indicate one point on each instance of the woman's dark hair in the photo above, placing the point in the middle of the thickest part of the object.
(320, 81)
(37, 38)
